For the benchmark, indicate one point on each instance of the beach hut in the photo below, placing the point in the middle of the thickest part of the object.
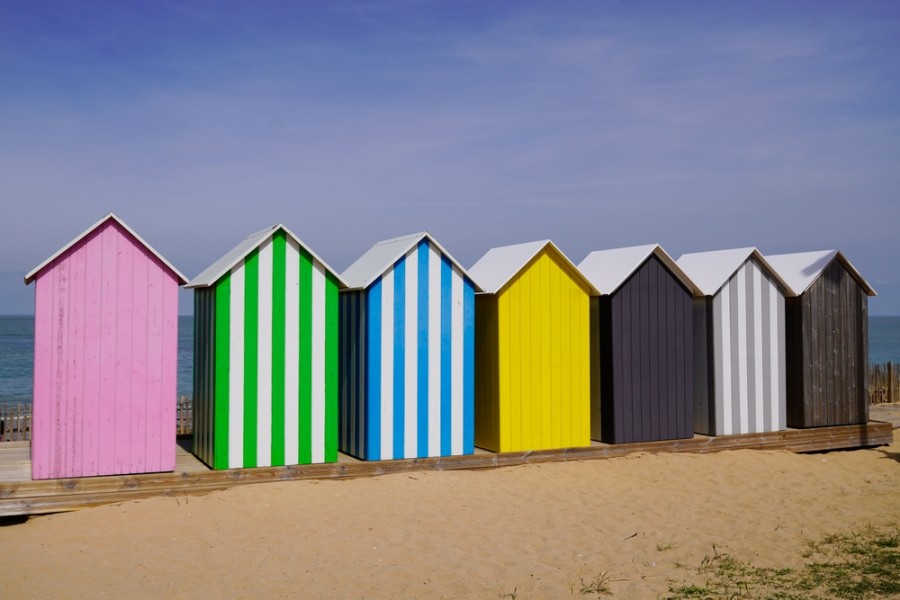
(827, 339)
(532, 353)
(105, 350)
(266, 355)
(739, 342)
(641, 346)
(407, 335)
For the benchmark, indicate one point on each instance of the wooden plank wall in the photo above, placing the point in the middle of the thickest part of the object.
(487, 373)
(827, 349)
(106, 321)
(745, 357)
(204, 429)
(646, 380)
(544, 360)
(275, 359)
(418, 398)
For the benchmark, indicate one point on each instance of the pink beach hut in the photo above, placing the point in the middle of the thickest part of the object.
(105, 347)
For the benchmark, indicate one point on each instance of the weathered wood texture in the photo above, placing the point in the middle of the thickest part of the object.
(739, 345)
(884, 383)
(645, 358)
(19, 495)
(827, 352)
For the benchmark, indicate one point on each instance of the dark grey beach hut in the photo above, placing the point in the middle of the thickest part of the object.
(641, 346)
(827, 339)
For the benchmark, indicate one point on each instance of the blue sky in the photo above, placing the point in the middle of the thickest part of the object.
(697, 125)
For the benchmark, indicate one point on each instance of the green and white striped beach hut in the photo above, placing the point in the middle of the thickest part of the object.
(266, 355)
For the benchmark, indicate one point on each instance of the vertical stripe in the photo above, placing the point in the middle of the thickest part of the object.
(735, 352)
(399, 357)
(304, 368)
(236, 369)
(346, 371)
(725, 366)
(251, 355)
(422, 345)
(411, 355)
(373, 365)
(741, 318)
(291, 353)
(278, 327)
(765, 344)
(759, 357)
(457, 375)
(222, 363)
(317, 424)
(469, 368)
(446, 274)
(264, 356)
(362, 381)
(331, 368)
(434, 352)
(777, 357)
(386, 397)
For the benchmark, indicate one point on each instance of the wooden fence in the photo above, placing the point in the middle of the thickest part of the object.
(884, 384)
(15, 420)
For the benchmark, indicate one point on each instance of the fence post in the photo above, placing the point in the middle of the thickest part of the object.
(890, 381)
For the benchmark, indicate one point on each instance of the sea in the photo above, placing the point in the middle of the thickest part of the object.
(17, 353)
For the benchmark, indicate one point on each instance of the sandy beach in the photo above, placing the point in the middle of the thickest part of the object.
(533, 531)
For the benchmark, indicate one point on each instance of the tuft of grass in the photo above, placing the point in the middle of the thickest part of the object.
(599, 585)
(511, 595)
(853, 566)
(664, 547)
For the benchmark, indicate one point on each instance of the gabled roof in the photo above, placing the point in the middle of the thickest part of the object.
(382, 256)
(801, 269)
(607, 270)
(500, 265)
(109, 216)
(216, 270)
(710, 270)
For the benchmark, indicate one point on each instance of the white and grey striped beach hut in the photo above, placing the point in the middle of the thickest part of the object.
(407, 352)
(739, 342)
(266, 355)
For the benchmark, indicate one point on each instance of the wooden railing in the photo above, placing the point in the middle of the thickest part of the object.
(15, 420)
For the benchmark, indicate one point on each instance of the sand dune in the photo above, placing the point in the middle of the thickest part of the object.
(535, 529)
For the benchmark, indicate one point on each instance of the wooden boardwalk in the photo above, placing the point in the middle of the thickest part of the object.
(19, 495)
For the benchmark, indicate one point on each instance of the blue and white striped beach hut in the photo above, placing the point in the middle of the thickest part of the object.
(407, 333)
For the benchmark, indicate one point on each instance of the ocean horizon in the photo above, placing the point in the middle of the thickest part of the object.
(17, 353)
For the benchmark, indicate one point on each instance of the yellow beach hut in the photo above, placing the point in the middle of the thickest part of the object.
(532, 350)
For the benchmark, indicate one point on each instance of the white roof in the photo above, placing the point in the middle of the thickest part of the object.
(181, 278)
(216, 270)
(382, 256)
(607, 270)
(711, 270)
(801, 269)
(500, 265)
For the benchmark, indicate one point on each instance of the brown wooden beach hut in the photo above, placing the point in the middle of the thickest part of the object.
(641, 346)
(826, 339)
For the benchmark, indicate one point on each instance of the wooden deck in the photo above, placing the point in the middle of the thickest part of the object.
(20, 495)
